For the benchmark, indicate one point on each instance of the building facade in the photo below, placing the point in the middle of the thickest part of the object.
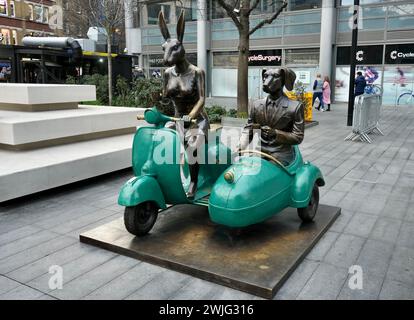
(20, 17)
(312, 36)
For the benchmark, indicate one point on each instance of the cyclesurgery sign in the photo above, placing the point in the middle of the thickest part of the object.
(265, 58)
(399, 54)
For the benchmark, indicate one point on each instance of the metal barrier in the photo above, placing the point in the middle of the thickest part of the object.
(367, 113)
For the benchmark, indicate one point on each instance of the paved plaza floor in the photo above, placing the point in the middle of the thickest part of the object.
(373, 184)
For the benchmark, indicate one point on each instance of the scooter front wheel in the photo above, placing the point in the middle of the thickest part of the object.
(140, 220)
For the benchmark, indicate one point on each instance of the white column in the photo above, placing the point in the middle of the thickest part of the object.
(132, 33)
(328, 31)
(202, 34)
(129, 23)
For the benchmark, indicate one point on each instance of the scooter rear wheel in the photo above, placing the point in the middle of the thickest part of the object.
(140, 220)
(308, 214)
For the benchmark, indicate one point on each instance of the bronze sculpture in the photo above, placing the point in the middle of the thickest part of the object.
(184, 84)
(280, 120)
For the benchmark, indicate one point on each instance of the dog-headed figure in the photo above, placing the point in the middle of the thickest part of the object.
(281, 120)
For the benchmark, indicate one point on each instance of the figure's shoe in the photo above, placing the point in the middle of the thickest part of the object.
(192, 190)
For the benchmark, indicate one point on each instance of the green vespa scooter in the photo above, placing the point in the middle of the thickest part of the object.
(237, 193)
(162, 174)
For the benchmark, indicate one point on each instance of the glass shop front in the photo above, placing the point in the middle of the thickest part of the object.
(224, 72)
(389, 68)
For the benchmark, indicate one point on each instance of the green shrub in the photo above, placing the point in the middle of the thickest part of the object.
(123, 94)
(233, 113)
(215, 113)
(146, 92)
(98, 80)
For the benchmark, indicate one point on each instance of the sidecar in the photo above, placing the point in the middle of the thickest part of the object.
(255, 189)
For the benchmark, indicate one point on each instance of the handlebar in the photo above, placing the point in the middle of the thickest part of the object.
(142, 118)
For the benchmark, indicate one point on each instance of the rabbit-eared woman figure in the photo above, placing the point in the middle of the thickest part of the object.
(184, 84)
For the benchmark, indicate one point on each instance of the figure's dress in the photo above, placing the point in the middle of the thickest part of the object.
(183, 91)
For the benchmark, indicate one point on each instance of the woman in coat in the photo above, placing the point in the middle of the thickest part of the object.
(327, 93)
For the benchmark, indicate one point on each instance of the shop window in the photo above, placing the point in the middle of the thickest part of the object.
(226, 59)
(302, 56)
(303, 29)
(5, 34)
(371, 18)
(12, 9)
(351, 2)
(401, 17)
(46, 15)
(3, 7)
(190, 8)
(5, 70)
(155, 9)
(266, 6)
(31, 12)
(304, 4)
(217, 10)
(38, 13)
(398, 85)
(14, 37)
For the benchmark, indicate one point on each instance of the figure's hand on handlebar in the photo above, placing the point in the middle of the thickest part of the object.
(187, 119)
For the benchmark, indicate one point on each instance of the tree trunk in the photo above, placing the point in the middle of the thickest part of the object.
(110, 89)
(243, 68)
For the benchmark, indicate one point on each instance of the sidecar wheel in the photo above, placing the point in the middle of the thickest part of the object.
(140, 220)
(308, 214)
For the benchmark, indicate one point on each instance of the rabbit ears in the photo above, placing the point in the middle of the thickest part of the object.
(290, 78)
(180, 26)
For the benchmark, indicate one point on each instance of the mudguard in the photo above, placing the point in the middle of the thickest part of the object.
(139, 190)
(302, 187)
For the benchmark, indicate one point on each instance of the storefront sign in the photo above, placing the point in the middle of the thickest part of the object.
(365, 55)
(399, 54)
(157, 60)
(265, 58)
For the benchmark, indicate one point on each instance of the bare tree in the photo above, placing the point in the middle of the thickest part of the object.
(241, 18)
(106, 14)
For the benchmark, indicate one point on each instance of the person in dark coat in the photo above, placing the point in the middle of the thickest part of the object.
(360, 84)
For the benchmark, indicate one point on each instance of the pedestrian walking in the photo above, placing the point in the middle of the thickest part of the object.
(318, 92)
(360, 84)
(327, 93)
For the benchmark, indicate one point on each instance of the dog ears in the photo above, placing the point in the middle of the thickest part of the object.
(181, 27)
(163, 26)
(290, 78)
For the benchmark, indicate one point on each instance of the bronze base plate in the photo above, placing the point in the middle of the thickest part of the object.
(257, 260)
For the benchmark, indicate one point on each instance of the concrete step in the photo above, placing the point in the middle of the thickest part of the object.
(27, 172)
(41, 97)
(22, 130)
